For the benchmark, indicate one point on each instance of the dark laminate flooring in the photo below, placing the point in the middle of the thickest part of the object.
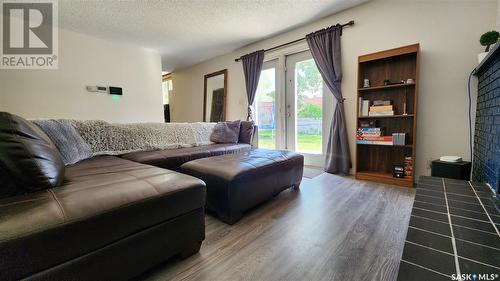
(334, 228)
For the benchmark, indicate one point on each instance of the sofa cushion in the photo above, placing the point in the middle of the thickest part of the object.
(174, 158)
(246, 132)
(68, 141)
(28, 156)
(104, 199)
(226, 132)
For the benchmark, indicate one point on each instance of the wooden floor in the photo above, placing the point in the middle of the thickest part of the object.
(334, 228)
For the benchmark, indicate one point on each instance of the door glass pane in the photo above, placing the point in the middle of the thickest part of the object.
(309, 111)
(265, 105)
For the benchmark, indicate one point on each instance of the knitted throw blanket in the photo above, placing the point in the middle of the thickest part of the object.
(114, 139)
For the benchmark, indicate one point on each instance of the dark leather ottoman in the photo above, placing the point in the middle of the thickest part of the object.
(238, 182)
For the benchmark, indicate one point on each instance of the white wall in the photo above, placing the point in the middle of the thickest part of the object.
(448, 33)
(85, 60)
(498, 16)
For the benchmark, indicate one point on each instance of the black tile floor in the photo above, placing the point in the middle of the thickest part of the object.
(453, 231)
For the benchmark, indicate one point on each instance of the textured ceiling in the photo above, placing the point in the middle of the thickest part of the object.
(190, 31)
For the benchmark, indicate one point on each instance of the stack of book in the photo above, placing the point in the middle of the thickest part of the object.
(373, 136)
(381, 108)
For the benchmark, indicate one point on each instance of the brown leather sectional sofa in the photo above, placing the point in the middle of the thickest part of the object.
(111, 219)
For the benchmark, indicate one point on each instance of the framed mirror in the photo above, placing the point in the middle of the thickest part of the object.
(215, 94)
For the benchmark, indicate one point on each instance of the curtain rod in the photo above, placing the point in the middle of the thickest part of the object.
(298, 40)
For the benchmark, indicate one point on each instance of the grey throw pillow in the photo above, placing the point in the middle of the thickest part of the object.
(246, 132)
(226, 132)
(68, 141)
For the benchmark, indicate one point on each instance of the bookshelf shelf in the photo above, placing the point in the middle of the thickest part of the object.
(385, 87)
(385, 178)
(388, 116)
(374, 162)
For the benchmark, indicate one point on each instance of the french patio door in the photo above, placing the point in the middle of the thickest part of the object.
(267, 106)
(294, 107)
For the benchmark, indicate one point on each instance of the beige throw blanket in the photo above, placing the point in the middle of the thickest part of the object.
(114, 139)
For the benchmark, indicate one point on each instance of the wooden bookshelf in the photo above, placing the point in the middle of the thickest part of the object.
(375, 162)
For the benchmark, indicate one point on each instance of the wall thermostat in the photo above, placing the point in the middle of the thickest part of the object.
(97, 89)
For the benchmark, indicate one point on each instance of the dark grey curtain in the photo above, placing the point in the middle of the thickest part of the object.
(252, 65)
(325, 49)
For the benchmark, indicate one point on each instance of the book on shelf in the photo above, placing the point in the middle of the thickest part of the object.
(381, 108)
(371, 129)
(382, 140)
(381, 113)
(399, 138)
(364, 107)
(370, 132)
(382, 102)
(374, 142)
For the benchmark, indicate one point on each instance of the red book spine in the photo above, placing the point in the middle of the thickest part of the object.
(386, 138)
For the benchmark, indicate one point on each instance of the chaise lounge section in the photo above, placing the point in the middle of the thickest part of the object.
(107, 208)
